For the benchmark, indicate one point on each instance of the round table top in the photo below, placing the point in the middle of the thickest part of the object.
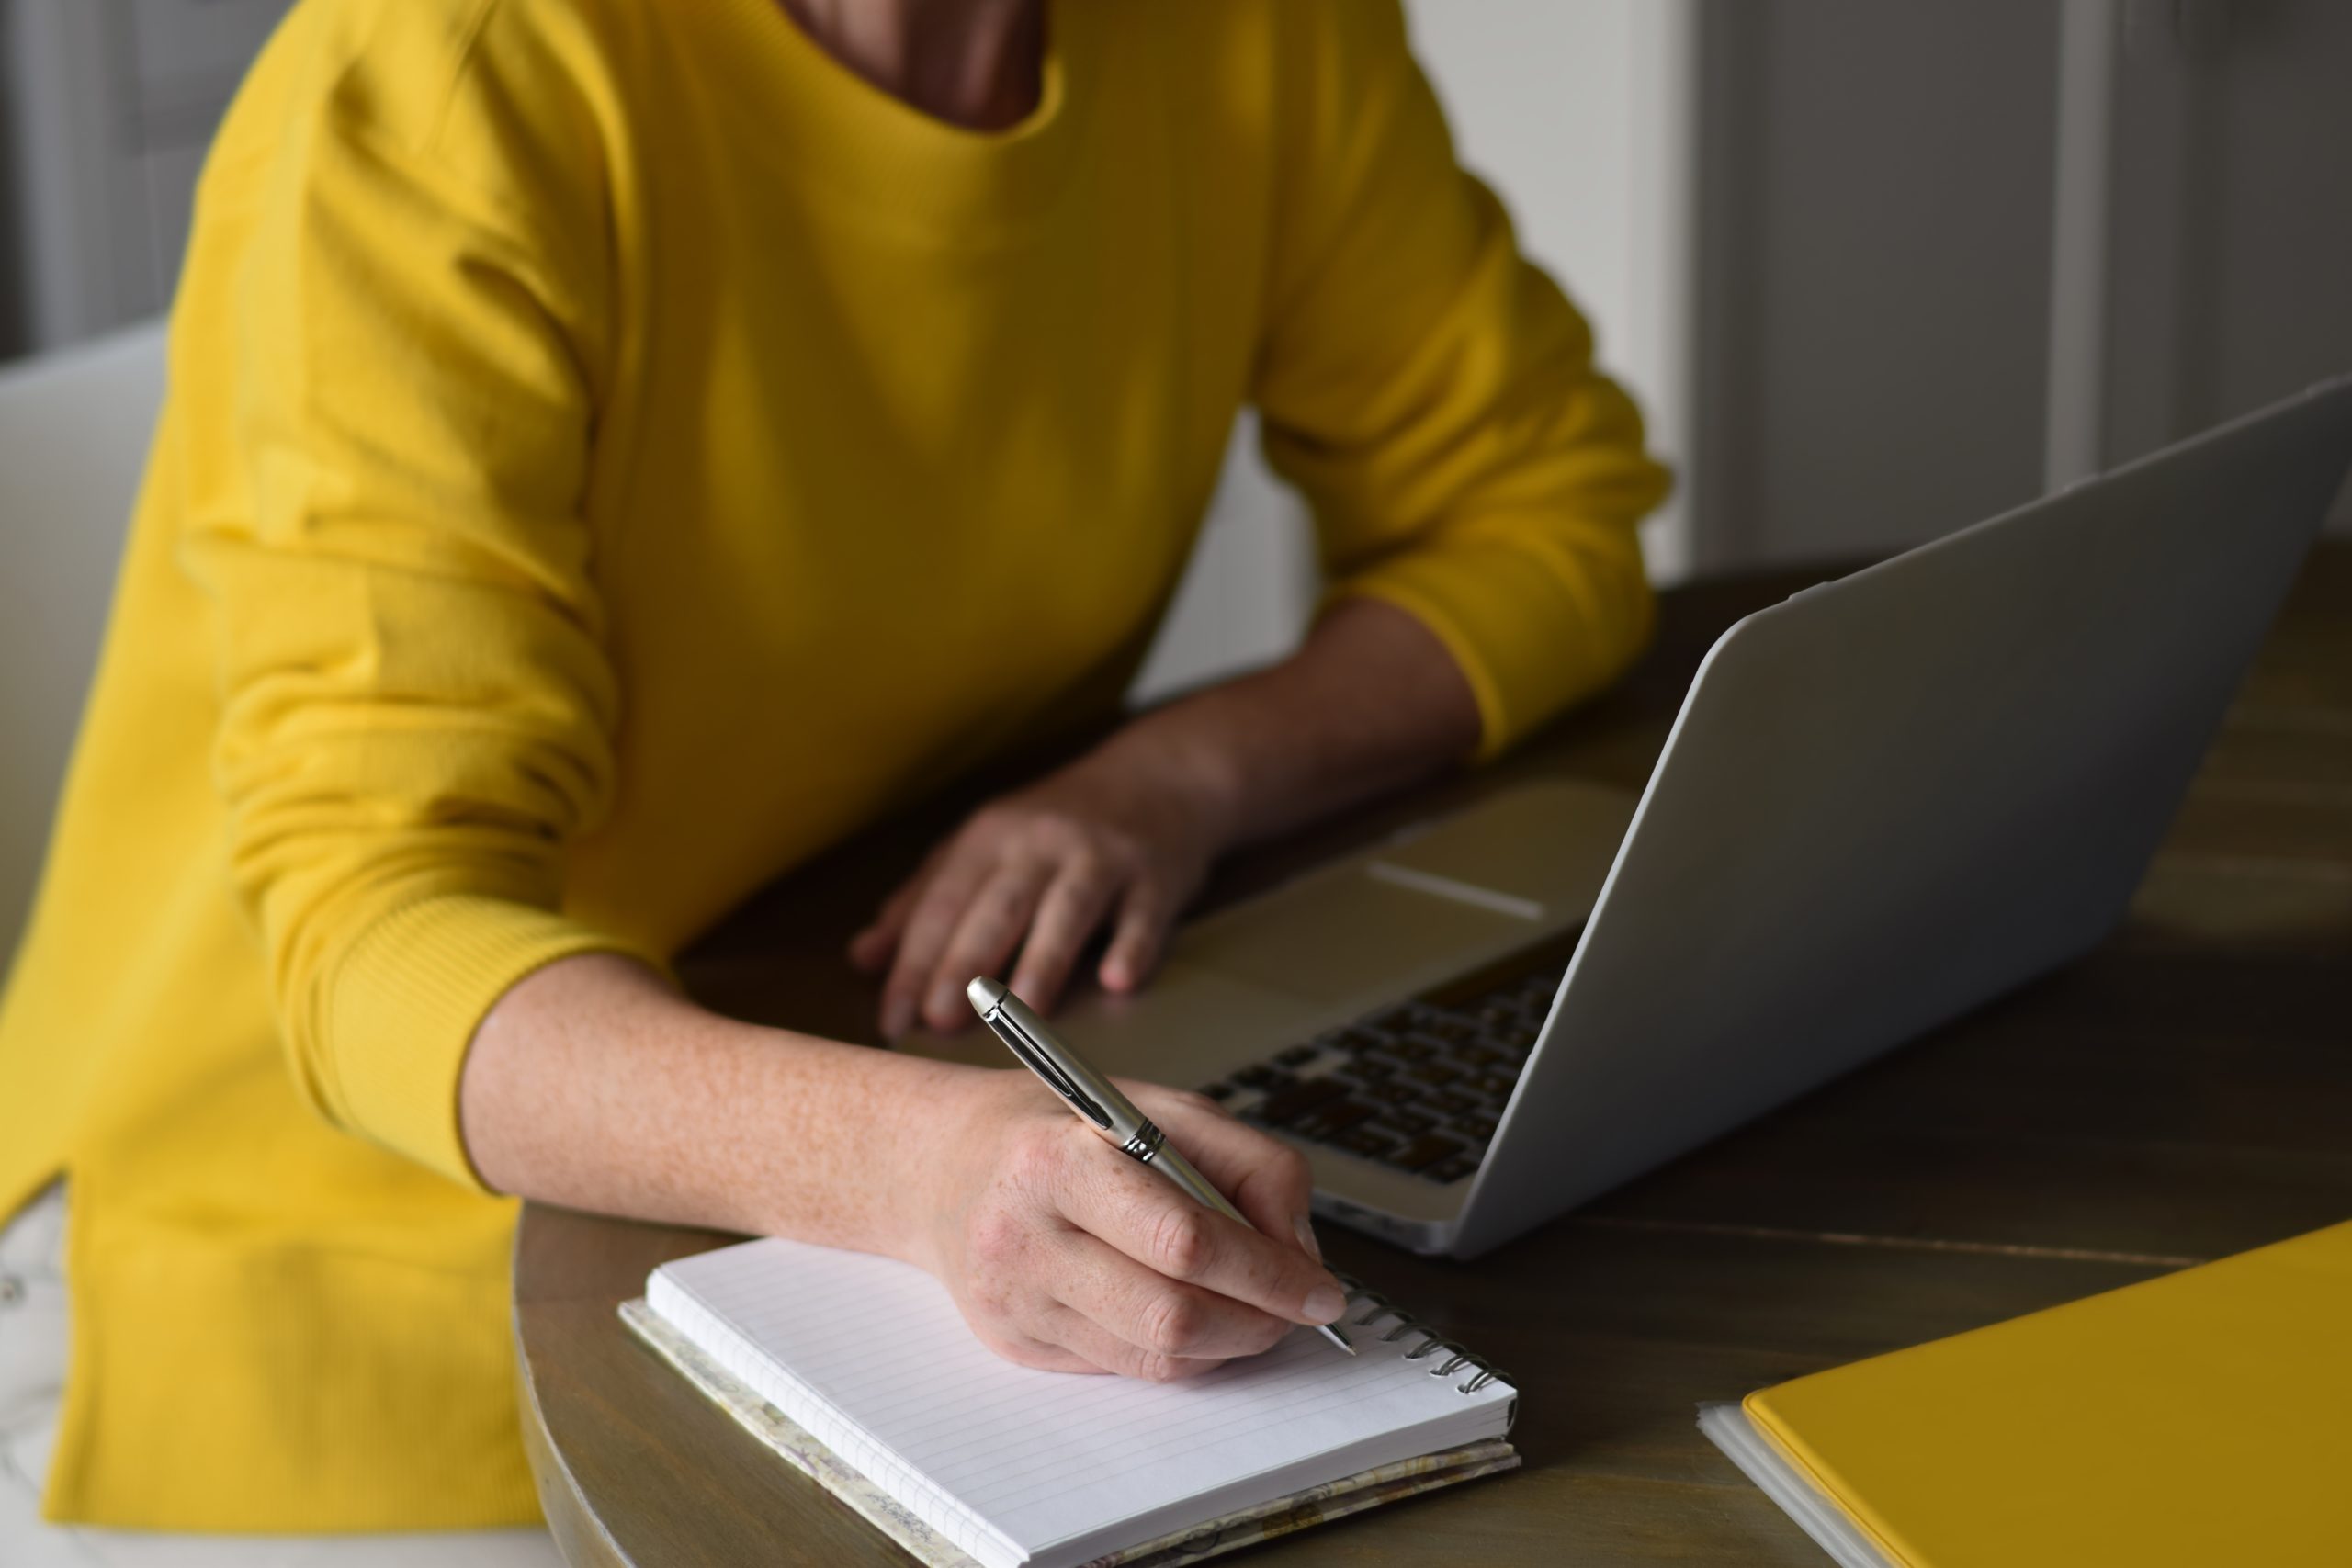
(2178, 1095)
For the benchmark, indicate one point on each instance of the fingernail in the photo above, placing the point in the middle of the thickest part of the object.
(943, 1002)
(1306, 1229)
(896, 1017)
(1325, 1304)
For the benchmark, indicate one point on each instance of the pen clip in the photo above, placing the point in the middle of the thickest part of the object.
(1045, 1067)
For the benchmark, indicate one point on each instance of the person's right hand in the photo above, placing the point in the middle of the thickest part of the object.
(1063, 1253)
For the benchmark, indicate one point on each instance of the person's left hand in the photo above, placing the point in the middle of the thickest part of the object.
(1113, 837)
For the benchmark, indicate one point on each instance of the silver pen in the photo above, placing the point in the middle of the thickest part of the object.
(1099, 1103)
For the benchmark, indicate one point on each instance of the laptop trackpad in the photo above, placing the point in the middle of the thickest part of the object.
(1407, 915)
(1548, 845)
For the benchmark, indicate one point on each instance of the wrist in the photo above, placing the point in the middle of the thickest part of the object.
(936, 1112)
(1176, 755)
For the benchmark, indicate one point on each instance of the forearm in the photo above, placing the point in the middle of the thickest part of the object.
(595, 1086)
(1371, 701)
(591, 1084)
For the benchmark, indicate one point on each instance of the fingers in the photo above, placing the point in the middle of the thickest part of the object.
(932, 923)
(1083, 1339)
(1151, 1315)
(870, 949)
(1068, 914)
(1145, 915)
(1111, 1313)
(1035, 873)
(988, 928)
(1042, 1291)
(1028, 1350)
(974, 908)
(1069, 1255)
(1152, 1221)
(1264, 1178)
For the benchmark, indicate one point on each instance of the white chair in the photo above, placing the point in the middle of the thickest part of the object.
(74, 434)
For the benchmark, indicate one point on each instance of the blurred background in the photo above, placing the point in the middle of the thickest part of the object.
(1874, 271)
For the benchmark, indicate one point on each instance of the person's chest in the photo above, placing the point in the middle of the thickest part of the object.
(900, 454)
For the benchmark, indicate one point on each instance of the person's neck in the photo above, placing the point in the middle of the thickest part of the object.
(976, 64)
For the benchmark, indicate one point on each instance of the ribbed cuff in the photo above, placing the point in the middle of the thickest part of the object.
(1534, 621)
(408, 996)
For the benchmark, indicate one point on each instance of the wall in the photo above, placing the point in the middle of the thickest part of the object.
(14, 334)
(1889, 192)
(109, 107)
(1581, 114)
(2230, 215)
(1876, 182)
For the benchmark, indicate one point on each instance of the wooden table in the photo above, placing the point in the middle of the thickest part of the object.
(2182, 1093)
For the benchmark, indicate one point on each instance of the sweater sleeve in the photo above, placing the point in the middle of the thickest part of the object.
(416, 706)
(1434, 395)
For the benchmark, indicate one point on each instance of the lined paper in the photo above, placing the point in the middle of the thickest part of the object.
(1034, 1458)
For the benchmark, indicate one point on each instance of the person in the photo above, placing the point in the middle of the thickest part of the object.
(614, 450)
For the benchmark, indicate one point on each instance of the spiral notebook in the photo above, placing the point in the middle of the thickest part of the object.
(859, 1370)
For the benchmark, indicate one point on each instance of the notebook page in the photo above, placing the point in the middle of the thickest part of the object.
(1047, 1457)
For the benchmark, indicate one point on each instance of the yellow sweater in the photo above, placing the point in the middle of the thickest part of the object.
(605, 442)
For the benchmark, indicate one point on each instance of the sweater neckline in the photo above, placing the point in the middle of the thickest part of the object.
(863, 145)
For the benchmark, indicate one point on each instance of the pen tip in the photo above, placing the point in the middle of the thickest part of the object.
(1336, 1337)
(984, 993)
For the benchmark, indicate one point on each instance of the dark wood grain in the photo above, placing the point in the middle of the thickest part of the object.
(2179, 1094)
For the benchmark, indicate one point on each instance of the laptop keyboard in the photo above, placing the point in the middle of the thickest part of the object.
(1418, 1086)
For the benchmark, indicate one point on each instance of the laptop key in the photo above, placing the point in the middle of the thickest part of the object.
(1437, 1075)
(1494, 1086)
(1351, 1040)
(1452, 1169)
(1291, 1103)
(1478, 1056)
(1298, 1055)
(1367, 1139)
(1328, 1121)
(1449, 1102)
(1412, 1123)
(1476, 1126)
(1368, 1070)
(1393, 1093)
(1425, 1150)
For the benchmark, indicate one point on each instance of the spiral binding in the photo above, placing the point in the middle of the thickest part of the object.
(1379, 1306)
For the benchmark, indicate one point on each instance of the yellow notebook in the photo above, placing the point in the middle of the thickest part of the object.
(2198, 1419)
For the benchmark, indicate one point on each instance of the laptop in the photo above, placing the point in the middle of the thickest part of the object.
(1884, 801)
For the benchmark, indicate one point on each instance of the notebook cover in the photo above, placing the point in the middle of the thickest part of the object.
(1211, 1538)
(2189, 1420)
